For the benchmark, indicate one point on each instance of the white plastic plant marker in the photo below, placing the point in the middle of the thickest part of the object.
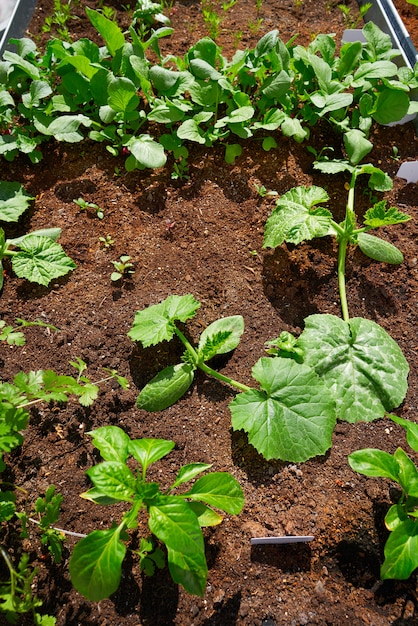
(282, 540)
(409, 171)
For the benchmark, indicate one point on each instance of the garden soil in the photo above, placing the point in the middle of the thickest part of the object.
(203, 235)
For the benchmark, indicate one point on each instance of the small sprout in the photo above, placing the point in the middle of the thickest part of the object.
(123, 268)
(169, 224)
(107, 241)
(395, 153)
(262, 191)
(84, 205)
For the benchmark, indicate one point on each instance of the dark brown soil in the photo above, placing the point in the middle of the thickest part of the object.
(214, 251)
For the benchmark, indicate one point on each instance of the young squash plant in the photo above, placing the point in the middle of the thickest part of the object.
(175, 519)
(35, 256)
(281, 424)
(401, 548)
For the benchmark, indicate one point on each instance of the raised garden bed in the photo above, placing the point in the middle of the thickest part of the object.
(203, 234)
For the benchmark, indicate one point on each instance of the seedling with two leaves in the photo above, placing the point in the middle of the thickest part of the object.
(174, 519)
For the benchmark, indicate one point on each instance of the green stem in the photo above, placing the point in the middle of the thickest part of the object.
(205, 368)
(342, 251)
(343, 239)
(225, 379)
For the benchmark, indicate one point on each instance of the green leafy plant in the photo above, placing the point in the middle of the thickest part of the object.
(84, 205)
(38, 257)
(268, 414)
(351, 21)
(123, 267)
(107, 241)
(16, 595)
(14, 336)
(35, 256)
(59, 19)
(175, 519)
(401, 547)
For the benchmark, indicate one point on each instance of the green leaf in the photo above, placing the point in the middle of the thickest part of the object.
(166, 387)
(112, 443)
(187, 472)
(122, 95)
(13, 201)
(96, 564)
(408, 473)
(148, 451)
(356, 145)
(40, 260)
(297, 218)
(401, 551)
(174, 523)
(220, 337)
(113, 479)
(108, 29)
(391, 106)
(205, 515)
(190, 130)
(379, 215)
(374, 462)
(361, 364)
(379, 249)
(156, 323)
(411, 430)
(335, 166)
(203, 70)
(292, 418)
(147, 152)
(218, 489)
(64, 128)
(232, 151)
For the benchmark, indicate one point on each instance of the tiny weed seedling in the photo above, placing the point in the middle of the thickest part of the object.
(14, 336)
(107, 241)
(175, 519)
(123, 268)
(350, 20)
(84, 206)
(401, 548)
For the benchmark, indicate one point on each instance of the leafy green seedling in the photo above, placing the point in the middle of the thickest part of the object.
(297, 216)
(123, 267)
(175, 519)
(47, 510)
(351, 21)
(263, 192)
(31, 388)
(107, 241)
(16, 595)
(13, 336)
(401, 548)
(84, 205)
(39, 258)
(279, 422)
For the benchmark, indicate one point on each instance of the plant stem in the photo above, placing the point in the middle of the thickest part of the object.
(205, 368)
(225, 379)
(343, 240)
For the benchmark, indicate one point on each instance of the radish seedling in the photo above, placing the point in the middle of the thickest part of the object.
(175, 519)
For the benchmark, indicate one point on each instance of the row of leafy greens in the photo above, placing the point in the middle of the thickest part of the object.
(117, 95)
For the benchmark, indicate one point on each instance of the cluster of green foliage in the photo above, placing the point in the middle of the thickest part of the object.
(35, 256)
(401, 548)
(119, 95)
(175, 520)
(27, 389)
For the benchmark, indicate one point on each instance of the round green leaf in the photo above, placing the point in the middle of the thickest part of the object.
(292, 418)
(361, 364)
